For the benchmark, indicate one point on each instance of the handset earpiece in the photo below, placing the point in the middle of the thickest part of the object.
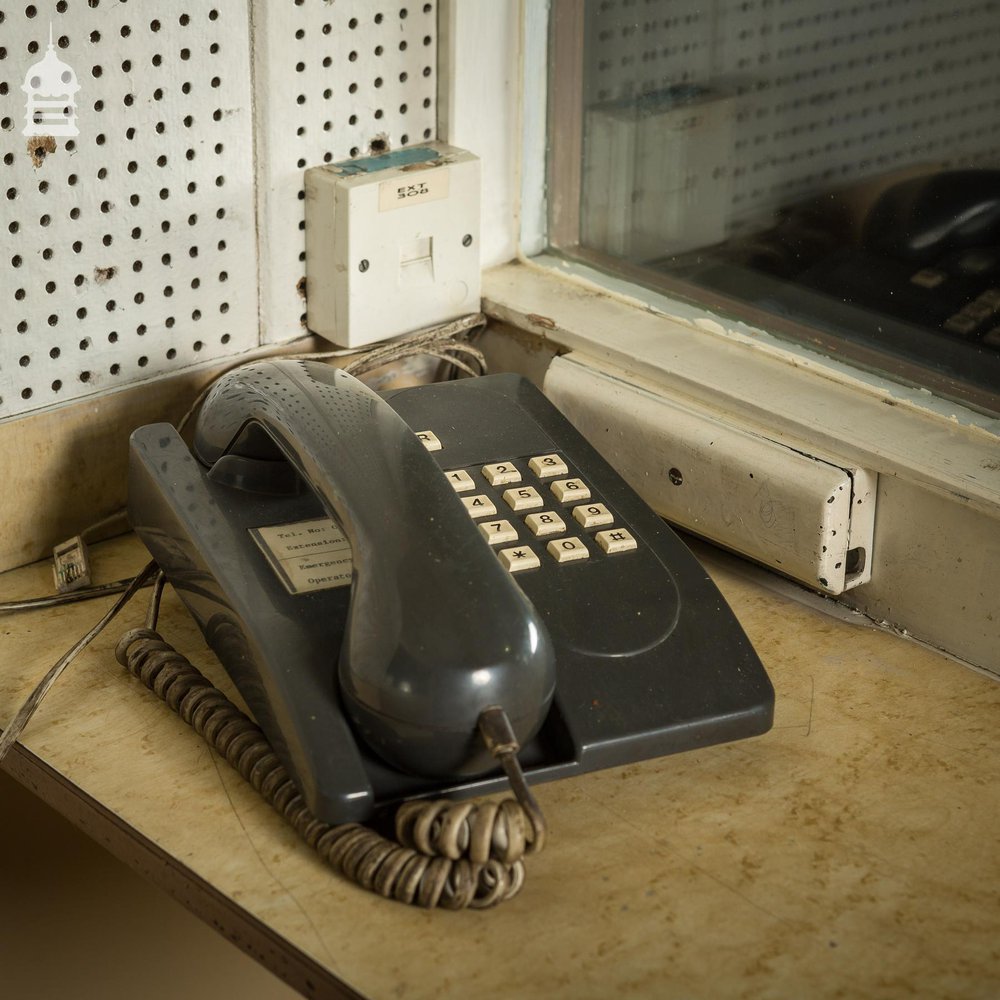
(437, 631)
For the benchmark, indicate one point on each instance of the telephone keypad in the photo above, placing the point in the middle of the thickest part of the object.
(523, 498)
(480, 505)
(546, 522)
(570, 490)
(592, 515)
(567, 549)
(552, 527)
(498, 532)
(519, 558)
(461, 480)
(545, 466)
(501, 473)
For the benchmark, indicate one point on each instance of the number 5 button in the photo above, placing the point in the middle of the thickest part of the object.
(523, 498)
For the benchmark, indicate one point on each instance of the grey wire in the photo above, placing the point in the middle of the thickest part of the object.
(31, 703)
(153, 611)
(70, 597)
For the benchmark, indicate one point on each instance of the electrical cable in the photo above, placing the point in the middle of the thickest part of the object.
(31, 703)
(70, 597)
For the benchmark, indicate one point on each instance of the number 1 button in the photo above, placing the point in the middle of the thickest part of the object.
(461, 480)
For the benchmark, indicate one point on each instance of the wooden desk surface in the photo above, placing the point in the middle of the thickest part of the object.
(852, 851)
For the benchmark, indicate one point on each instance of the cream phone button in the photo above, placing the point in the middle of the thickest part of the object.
(616, 540)
(567, 550)
(592, 514)
(501, 473)
(547, 522)
(518, 558)
(497, 532)
(569, 490)
(461, 480)
(523, 498)
(430, 440)
(480, 505)
(544, 466)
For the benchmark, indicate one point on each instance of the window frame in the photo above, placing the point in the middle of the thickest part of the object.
(506, 126)
(939, 460)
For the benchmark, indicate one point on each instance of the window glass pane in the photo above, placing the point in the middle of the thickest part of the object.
(825, 170)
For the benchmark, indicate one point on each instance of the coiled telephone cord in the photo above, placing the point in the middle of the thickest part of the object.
(450, 854)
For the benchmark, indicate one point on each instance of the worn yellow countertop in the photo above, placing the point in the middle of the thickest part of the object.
(852, 851)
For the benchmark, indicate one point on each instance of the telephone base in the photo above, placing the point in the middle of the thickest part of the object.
(650, 659)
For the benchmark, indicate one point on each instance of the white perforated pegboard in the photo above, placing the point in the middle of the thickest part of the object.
(341, 79)
(170, 230)
(128, 249)
(827, 92)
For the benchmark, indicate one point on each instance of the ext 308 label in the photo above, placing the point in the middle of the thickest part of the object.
(415, 189)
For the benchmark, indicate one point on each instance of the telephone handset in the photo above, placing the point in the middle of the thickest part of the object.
(375, 570)
(413, 679)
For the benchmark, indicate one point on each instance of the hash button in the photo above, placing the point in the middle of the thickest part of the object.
(616, 540)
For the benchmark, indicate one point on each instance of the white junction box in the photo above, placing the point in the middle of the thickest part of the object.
(811, 518)
(392, 243)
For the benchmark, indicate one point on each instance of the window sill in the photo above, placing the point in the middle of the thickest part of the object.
(938, 518)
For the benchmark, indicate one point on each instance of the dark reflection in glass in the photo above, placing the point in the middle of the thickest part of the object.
(828, 172)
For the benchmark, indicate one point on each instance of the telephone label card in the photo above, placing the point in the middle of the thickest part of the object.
(307, 555)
